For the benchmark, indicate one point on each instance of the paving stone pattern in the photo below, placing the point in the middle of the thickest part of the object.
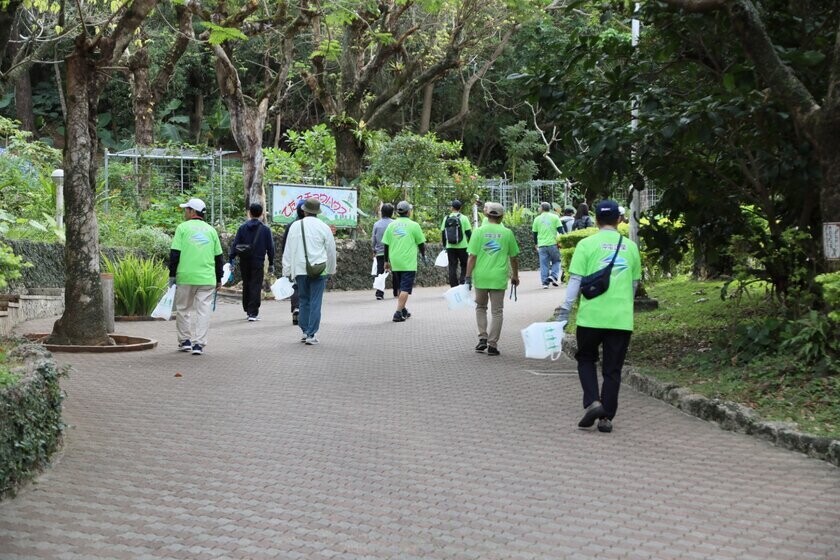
(396, 441)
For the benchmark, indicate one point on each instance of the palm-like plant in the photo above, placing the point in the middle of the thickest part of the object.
(138, 284)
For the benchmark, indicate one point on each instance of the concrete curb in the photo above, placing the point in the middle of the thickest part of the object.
(727, 415)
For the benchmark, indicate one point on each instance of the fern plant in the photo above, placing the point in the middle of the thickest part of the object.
(138, 284)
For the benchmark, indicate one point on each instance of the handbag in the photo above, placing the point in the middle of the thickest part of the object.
(595, 284)
(245, 249)
(312, 270)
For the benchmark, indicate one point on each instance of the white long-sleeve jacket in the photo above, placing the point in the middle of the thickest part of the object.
(320, 247)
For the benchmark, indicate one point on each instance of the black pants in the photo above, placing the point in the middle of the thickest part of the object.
(380, 268)
(456, 257)
(614, 343)
(252, 279)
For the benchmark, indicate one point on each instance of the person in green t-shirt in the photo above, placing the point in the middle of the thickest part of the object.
(195, 267)
(455, 231)
(545, 229)
(403, 239)
(606, 320)
(490, 249)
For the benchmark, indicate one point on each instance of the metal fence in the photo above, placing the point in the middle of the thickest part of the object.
(156, 172)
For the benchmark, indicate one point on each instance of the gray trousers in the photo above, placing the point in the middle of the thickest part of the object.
(497, 305)
(193, 305)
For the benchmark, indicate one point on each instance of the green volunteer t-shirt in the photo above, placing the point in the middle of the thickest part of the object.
(199, 245)
(614, 308)
(492, 245)
(465, 227)
(402, 238)
(546, 225)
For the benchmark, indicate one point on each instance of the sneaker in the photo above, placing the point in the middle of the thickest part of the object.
(545, 286)
(553, 281)
(380, 298)
(493, 351)
(591, 413)
(405, 313)
(482, 345)
(197, 350)
(605, 425)
(295, 315)
(303, 338)
(185, 346)
(252, 319)
(312, 341)
(398, 317)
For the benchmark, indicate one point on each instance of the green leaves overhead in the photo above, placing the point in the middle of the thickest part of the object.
(219, 34)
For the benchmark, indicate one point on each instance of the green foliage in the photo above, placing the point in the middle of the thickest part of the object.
(830, 283)
(517, 215)
(568, 241)
(409, 159)
(219, 34)
(138, 284)
(666, 243)
(30, 416)
(10, 265)
(311, 159)
(120, 231)
(521, 144)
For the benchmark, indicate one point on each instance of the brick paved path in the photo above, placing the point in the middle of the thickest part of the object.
(396, 441)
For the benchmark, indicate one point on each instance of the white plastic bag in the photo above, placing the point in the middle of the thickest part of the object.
(459, 297)
(442, 259)
(379, 282)
(282, 288)
(227, 273)
(543, 340)
(163, 310)
(373, 267)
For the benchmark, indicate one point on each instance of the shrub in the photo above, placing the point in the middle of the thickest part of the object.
(10, 265)
(138, 284)
(30, 414)
(830, 283)
(568, 242)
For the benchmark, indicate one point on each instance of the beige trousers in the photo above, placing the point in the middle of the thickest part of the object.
(497, 303)
(193, 305)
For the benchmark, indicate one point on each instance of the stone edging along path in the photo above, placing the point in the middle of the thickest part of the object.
(726, 414)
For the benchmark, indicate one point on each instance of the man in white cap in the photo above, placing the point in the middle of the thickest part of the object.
(308, 259)
(195, 267)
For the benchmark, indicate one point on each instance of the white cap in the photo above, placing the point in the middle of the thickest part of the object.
(621, 210)
(195, 203)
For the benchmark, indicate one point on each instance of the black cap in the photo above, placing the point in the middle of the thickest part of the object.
(607, 209)
(456, 204)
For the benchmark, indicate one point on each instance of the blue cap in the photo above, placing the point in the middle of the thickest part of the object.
(607, 209)
(299, 203)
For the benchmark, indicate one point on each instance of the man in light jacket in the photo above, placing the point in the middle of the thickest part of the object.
(309, 240)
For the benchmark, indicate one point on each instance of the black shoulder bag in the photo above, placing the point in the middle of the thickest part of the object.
(595, 284)
(245, 250)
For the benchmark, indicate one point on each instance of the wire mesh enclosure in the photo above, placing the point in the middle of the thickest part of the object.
(153, 174)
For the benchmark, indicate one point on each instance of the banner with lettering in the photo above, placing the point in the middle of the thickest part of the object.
(338, 205)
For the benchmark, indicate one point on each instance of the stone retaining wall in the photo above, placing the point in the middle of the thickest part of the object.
(30, 307)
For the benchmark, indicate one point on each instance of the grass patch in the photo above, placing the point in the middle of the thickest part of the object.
(688, 341)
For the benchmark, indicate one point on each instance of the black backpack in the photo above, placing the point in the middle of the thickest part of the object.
(582, 223)
(452, 229)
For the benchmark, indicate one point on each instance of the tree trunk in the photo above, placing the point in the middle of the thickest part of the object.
(828, 132)
(348, 155)
(426, 115)
(247, 125)
(196, 117)
(141, 99)
(23, 102)
(83, 321)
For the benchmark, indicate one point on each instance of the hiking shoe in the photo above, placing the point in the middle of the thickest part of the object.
(398, 317)
(493, 351)
(295, 315)
(591, 413)
(312, 341)
(197, 350)
(405, 313)
(605, 425)
(185, 346)
(482, 345)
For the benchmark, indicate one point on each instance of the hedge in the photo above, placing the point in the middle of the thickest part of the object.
(568, 241)
(30, 415)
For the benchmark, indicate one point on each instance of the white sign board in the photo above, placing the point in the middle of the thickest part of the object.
(338, 205)
(831, 240)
